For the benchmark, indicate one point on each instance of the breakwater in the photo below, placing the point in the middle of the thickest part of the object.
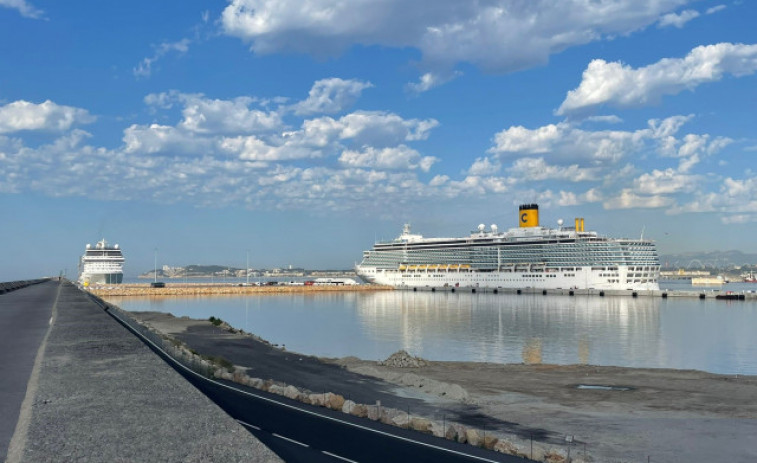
(201, 289)
(9, 286)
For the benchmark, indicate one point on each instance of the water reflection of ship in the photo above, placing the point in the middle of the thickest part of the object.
(532, 351)
(495, 328)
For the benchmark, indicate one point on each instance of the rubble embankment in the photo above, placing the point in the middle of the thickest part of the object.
(209, 289)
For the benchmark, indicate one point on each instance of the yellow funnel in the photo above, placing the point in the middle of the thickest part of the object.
(528, 215)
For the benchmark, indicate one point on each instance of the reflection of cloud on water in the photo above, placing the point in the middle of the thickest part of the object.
(506, 328)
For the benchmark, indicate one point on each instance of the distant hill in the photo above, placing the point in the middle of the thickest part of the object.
(195, 271)
(208, 269)
(712, 259)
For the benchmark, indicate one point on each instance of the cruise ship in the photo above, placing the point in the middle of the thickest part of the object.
(103, 264)
(528, 256)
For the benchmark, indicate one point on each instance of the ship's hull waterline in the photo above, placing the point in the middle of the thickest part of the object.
(585, 278)
(529, 256)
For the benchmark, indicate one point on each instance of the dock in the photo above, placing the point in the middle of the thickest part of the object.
(662, 293)
(228, 289)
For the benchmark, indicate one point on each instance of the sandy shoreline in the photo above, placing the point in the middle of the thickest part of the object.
(668, 415)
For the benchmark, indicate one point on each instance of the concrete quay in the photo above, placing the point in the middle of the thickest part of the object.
(662, 293)
(209, 289)
(97, 393)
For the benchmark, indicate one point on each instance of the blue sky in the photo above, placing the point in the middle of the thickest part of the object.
(304, 130)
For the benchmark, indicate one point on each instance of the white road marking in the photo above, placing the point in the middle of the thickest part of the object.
(337, 456)
(248, 425)
(301, 410)
(290, 440)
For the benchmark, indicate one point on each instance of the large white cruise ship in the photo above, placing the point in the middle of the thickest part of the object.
(530, 256)
(103, 264)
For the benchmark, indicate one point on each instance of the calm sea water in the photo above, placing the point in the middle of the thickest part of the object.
(709, 335)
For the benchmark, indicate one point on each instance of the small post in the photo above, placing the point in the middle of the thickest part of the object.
(532, 446)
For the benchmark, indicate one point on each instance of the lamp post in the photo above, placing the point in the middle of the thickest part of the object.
(247, 269)
(155, 270)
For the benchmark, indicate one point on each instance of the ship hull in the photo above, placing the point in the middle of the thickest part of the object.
(579, 278)
(102, 278)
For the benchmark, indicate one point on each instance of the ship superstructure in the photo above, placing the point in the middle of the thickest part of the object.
(529, 256)
(101, 264)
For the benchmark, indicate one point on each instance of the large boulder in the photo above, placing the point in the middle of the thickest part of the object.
(473, 437)
(388, 414)
(374, 412)
(348, 406)
(420, 424)
(489, 442)
(317, 399)
(276, 389)
(291, 392)
(401, 420)
(456, 432)
(510, 448)
(360, 410)
(334, 401)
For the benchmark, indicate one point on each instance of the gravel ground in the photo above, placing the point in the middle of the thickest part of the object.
(104, 396)
(666, 415)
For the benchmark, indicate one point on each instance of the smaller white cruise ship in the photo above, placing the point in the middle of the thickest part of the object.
(102, 264)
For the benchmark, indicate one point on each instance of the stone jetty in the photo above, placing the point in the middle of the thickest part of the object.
(204, 289)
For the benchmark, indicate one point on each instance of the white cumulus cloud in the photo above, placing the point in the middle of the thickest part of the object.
(23, 115)
(677, 19)
(627, 199)
(144, 68)
(213, 116)
(430, 80)
(536, 169)
(26, 9)
(666, 181)
(496, 35)
(331, 96)
(156, 138)
(399, 157)
(619, 85)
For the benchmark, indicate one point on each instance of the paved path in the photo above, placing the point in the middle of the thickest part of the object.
(102, 395)
(24, 320)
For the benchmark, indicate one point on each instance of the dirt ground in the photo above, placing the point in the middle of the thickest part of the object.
(654, 415)
(666, 415)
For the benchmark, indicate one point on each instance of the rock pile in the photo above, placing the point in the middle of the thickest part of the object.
(401, 359)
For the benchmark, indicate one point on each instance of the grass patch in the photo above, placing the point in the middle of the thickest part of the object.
(220, 361)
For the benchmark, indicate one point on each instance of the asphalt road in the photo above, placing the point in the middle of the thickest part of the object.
(303, 433)
(307, 372)
(24, 320)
